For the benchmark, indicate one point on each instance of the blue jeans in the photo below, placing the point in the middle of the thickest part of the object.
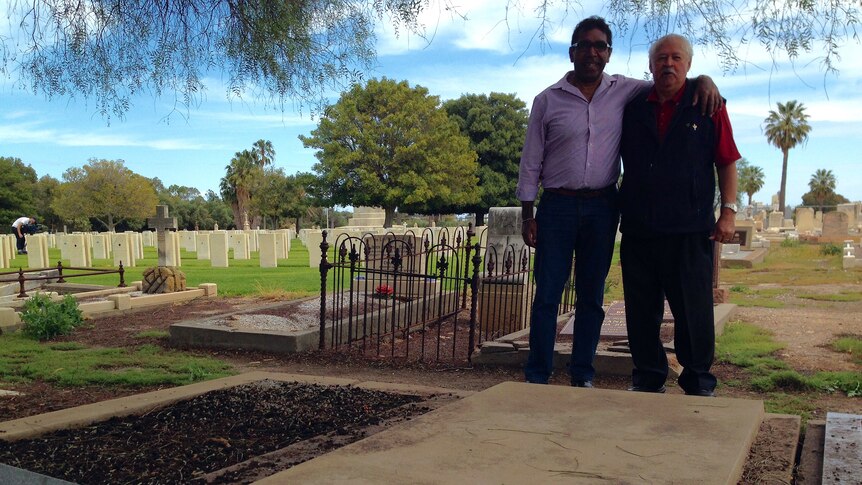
(588, 227)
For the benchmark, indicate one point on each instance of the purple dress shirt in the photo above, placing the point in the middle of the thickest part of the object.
(573, 143)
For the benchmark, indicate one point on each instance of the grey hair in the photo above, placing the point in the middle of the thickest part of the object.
(686, 45)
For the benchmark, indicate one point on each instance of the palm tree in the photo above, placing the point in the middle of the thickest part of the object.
(263, 153)
(751, 178)
(236, 185)
(822, 185)
(785, 129)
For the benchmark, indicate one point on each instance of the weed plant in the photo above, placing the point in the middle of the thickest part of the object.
(45, 319)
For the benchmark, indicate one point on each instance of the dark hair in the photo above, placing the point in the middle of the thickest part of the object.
(591, 23)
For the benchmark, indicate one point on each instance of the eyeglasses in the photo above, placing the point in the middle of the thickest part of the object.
(586, 45)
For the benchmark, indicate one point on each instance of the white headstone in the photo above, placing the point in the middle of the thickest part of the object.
(504, 232)
(37, 251)
(173, 254)
(804, 219)
(101, 246)
(239, 245)
(203, 246)
(313, 238)
(79, 255)
(219, 249)
(188, 240)
(122, 249)
(252, 240)
(268, 257)
(4, 252)
(776, 220)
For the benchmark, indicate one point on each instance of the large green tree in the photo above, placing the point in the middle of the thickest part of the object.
(496, 125)
(299, 50)
(107, 191)
(263, 153)
(821, 188)
(17, 189)
(242, 175)
(786, 128)
(281, 197)
(390, 145)
(751, 178)
(46, 189)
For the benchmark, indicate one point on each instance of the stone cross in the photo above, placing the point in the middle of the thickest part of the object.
(161, 223)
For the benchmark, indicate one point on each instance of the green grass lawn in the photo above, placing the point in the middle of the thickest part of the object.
(744, 345)
(244, 277)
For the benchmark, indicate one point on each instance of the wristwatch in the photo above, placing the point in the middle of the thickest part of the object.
(730, 205)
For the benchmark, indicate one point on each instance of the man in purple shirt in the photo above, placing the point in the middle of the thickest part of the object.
(572, 148)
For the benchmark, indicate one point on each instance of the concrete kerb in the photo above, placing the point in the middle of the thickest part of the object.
(85, 415)
(115, 300)
(512, 349)
(206, 333)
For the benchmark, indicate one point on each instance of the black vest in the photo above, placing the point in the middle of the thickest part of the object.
(668, 185)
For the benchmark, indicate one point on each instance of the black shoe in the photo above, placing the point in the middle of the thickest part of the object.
(582, 384)
(701, 393)
(656, 390)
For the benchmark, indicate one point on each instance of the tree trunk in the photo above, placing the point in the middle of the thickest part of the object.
(783, 191)
(480, 218)
(390, 214)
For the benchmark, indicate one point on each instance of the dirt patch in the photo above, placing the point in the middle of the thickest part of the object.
(218, 437)
(806, 327)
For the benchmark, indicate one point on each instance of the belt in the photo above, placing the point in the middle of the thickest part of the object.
(584, 193)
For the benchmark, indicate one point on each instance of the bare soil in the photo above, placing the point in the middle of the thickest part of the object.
(805, 326)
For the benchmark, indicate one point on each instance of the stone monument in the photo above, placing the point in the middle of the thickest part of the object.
(162, 278)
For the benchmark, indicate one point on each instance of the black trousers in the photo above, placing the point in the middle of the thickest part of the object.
(19, 240)
(677, 267)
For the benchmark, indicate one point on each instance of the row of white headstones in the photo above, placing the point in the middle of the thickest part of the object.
(128, 247)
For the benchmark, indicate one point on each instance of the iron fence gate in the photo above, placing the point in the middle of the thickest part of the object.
(401, 295)
(431, 297)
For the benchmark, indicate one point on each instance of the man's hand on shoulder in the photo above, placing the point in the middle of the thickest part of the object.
(706, 96)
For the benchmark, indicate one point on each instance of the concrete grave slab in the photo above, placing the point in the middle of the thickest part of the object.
(743, 259)
(614, 325)
(526, 433)
(842, 448)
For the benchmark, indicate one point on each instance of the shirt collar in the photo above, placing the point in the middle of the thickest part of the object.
(564, 84)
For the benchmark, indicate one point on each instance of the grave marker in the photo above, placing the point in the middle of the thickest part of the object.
(835, 224)
(37, 251)
(218, 249)
(267, 254)
(164, 278)
(614, 324)
(162, 223)
(122, 250)
(203, 246)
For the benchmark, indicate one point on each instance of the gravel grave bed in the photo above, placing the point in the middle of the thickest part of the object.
(236, 435)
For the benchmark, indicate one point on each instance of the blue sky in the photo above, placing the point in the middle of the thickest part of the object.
(479, 55)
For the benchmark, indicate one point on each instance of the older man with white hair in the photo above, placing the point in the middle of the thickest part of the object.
(670, 154)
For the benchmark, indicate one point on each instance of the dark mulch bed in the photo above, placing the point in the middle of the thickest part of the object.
(218, 437)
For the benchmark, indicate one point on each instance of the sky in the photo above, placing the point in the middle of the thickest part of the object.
(480, 54)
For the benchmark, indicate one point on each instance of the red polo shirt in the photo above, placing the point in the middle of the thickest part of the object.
(725, 147)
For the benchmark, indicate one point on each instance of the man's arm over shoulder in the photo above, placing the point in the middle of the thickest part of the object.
(532, 155)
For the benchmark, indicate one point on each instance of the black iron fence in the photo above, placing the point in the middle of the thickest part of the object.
(432, 295)
(22, 276)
